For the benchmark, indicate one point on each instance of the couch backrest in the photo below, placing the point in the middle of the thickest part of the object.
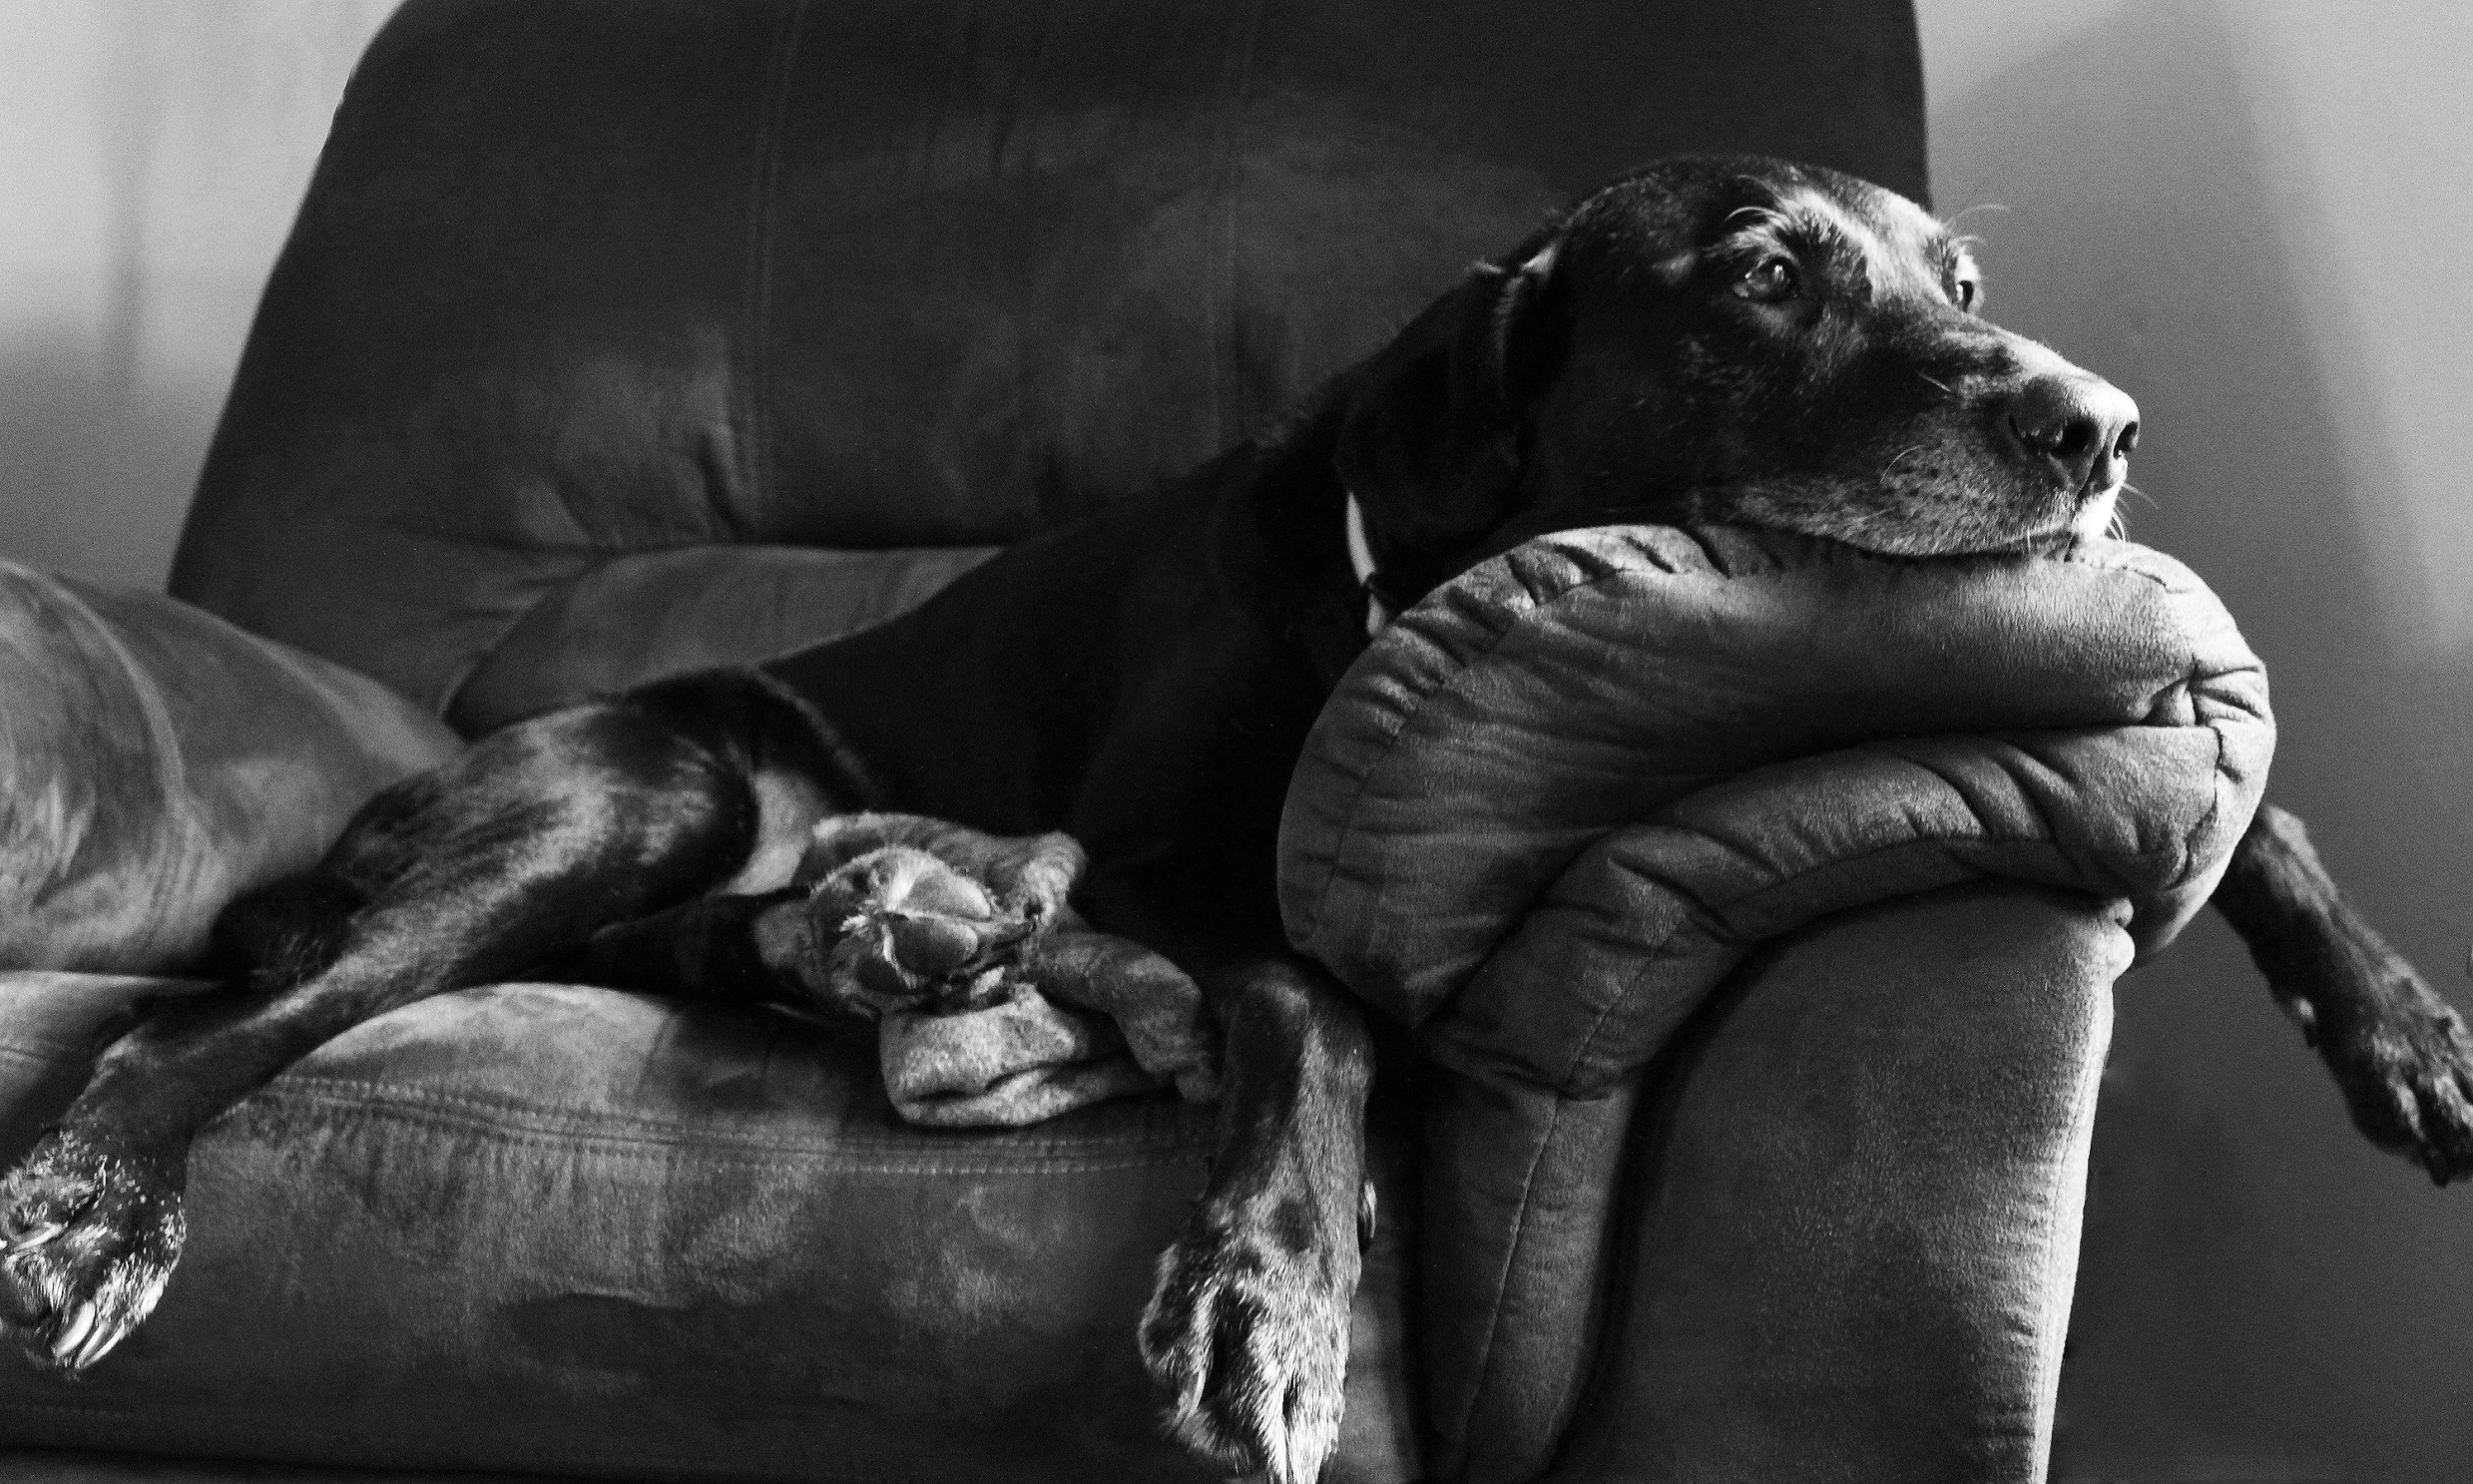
(578, 279)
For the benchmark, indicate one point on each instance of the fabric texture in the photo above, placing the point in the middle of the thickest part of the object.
(542, 1227)
(577, 281)
(1851, 1220)
(637, 619)
(1022, 1060)
(1750, 709)
(156, 762)
(1563, 799)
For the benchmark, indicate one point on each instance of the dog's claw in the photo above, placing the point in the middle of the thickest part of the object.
(73, 1335)
(2406, 1071)
(1250, 1342)
(97, 1232)
(27, 1241)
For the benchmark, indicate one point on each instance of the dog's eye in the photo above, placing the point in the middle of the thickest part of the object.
(1968, 292)
(1772, 281)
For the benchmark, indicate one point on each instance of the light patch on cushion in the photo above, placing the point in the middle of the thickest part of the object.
(154, 761)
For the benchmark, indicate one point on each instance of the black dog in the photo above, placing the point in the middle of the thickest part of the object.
(1708, 340)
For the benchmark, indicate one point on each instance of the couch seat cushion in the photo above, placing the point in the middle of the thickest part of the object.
(546, 1227)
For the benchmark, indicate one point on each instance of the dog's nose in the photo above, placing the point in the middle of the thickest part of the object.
(2083, 423)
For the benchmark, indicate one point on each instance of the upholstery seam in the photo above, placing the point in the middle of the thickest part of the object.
(1221, 311)
(1531, 602)
(1652, 955)
(372, 1094)
(453, 689)
(164, 737)
(649, 1150)
(2083, 1098)
(604, 559)
(2214, 807)
(755, 306)
(1539, 600)
(1502, 1285)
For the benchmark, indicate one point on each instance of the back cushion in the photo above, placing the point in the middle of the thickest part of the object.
(640, 618)
(577, 279)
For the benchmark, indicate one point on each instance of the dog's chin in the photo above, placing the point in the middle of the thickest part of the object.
(1912, 522)
(2098, 517)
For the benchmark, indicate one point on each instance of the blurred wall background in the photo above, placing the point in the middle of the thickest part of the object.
(2251, 213)
(2255, 216)
(151, 155)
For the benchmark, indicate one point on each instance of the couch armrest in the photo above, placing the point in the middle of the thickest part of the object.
(1845, 1218)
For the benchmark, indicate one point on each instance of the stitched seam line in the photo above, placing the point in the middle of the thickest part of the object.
(381, 1098)
(1653, 954)
(1502, 1283)
(2223, 781)
(1219, 311)
(453, 689)
(754, 412)
(1526, 607)
(164, 737)
(2047, 1362)
(651, 1151)
(1540, 603)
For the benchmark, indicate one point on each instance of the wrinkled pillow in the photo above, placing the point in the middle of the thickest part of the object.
(1768, 721)
(156, 762)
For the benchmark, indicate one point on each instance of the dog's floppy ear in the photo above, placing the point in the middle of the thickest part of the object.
(1430, 438)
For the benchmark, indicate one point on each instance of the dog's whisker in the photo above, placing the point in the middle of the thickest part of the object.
(1950, 222)
(1937, 382)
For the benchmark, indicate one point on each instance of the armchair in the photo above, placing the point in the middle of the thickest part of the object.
(614, 339)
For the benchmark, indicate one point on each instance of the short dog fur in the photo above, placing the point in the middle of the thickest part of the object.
(1707, 341)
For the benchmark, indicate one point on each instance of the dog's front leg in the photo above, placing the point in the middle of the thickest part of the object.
(2400, 1052)
(1248, 1330)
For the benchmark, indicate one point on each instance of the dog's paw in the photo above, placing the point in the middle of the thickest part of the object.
(2406, 1071)
(896, 928)
(88, 1237)
(1248, 1336)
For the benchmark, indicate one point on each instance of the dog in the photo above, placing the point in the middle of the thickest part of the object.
(1707, 341)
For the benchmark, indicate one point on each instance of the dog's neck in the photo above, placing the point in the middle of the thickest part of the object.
(1361, 562)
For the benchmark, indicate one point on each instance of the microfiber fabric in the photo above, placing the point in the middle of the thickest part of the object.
(1562, 801)
(156, 762)
(1737, 730)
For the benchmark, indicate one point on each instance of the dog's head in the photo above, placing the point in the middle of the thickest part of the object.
(1738, 340)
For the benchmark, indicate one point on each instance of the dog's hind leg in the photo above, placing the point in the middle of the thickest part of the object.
(2400, 1052)
(512, 853)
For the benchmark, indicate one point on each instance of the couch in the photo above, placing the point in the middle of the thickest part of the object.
(615, 339)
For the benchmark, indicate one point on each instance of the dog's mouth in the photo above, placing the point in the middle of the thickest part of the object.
(1962, 506)
(1976, 516)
